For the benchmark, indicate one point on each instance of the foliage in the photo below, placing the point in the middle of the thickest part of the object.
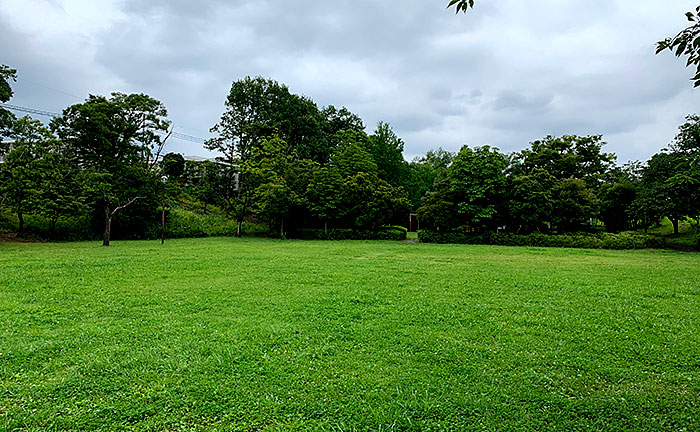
(663, 196)
(461, 5)
(383, 233)
(6, 117)
(477, 181)
(531, 200)
(39, 227)
(336, 120)
(686, 43)
(439, 207)
(425, 171)
(174, 166)
(617, 205)
(575, 205)
(386, 149)
(625, 240)
(204, 181)
(28, 173)
(323, 195)
(181, 223)
(351, 155)
(568, 156)
(117, 142)
(370, 202)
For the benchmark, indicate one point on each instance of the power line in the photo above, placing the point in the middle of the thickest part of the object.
(47, 87)
(29, 110)
(189, 138)
(176, 135)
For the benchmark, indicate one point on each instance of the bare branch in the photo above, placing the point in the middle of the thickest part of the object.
(161, 145)
(125, 205)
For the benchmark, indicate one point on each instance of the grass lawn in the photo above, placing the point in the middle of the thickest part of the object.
(228, 334)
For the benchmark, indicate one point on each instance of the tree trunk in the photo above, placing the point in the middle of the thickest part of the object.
(325, 227)
(675, 226)
(108, 227)
(20, 229)
(239, 229)
(282, 229)
(52, 229)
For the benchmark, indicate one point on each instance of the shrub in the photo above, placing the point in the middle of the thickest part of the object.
(625, 240)
(386, 233)
(39, 227)
(183, 224)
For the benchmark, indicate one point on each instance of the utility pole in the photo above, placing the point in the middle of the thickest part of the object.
(164, 179)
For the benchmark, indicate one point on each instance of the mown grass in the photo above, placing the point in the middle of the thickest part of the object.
(230, 334)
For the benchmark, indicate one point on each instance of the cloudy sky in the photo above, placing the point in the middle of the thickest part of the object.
(506, 73)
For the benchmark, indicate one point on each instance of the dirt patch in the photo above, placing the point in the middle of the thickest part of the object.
(12, 238)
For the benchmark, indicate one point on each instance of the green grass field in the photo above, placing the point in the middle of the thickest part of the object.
(230, 334)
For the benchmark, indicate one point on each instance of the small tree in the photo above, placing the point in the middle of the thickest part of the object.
(323, 195)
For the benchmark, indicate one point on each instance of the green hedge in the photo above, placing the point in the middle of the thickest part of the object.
(625, 240)
(387, 233)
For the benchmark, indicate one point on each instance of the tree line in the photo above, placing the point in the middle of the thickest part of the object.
(292, 165)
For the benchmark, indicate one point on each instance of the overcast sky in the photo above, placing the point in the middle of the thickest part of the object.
(507, 73)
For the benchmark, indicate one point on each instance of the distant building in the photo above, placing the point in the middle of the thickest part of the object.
(5, 144)
(200, 159)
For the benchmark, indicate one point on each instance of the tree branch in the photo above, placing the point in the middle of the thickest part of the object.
(161, 145)
(125, 205)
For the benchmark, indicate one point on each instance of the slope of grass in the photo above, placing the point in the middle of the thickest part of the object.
(687, 236)
(248, 334)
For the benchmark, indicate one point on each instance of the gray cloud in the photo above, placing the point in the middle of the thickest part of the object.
(505, 74)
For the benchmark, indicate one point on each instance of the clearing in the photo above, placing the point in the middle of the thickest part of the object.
(250, 334)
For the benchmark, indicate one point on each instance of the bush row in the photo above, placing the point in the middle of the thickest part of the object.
(39, 227)
(179, 223)
(625, 240)
(386, 233)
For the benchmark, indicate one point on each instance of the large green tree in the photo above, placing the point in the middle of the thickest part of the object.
(675, 200)
(116, 141)
(478, 184)
(256, 109)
